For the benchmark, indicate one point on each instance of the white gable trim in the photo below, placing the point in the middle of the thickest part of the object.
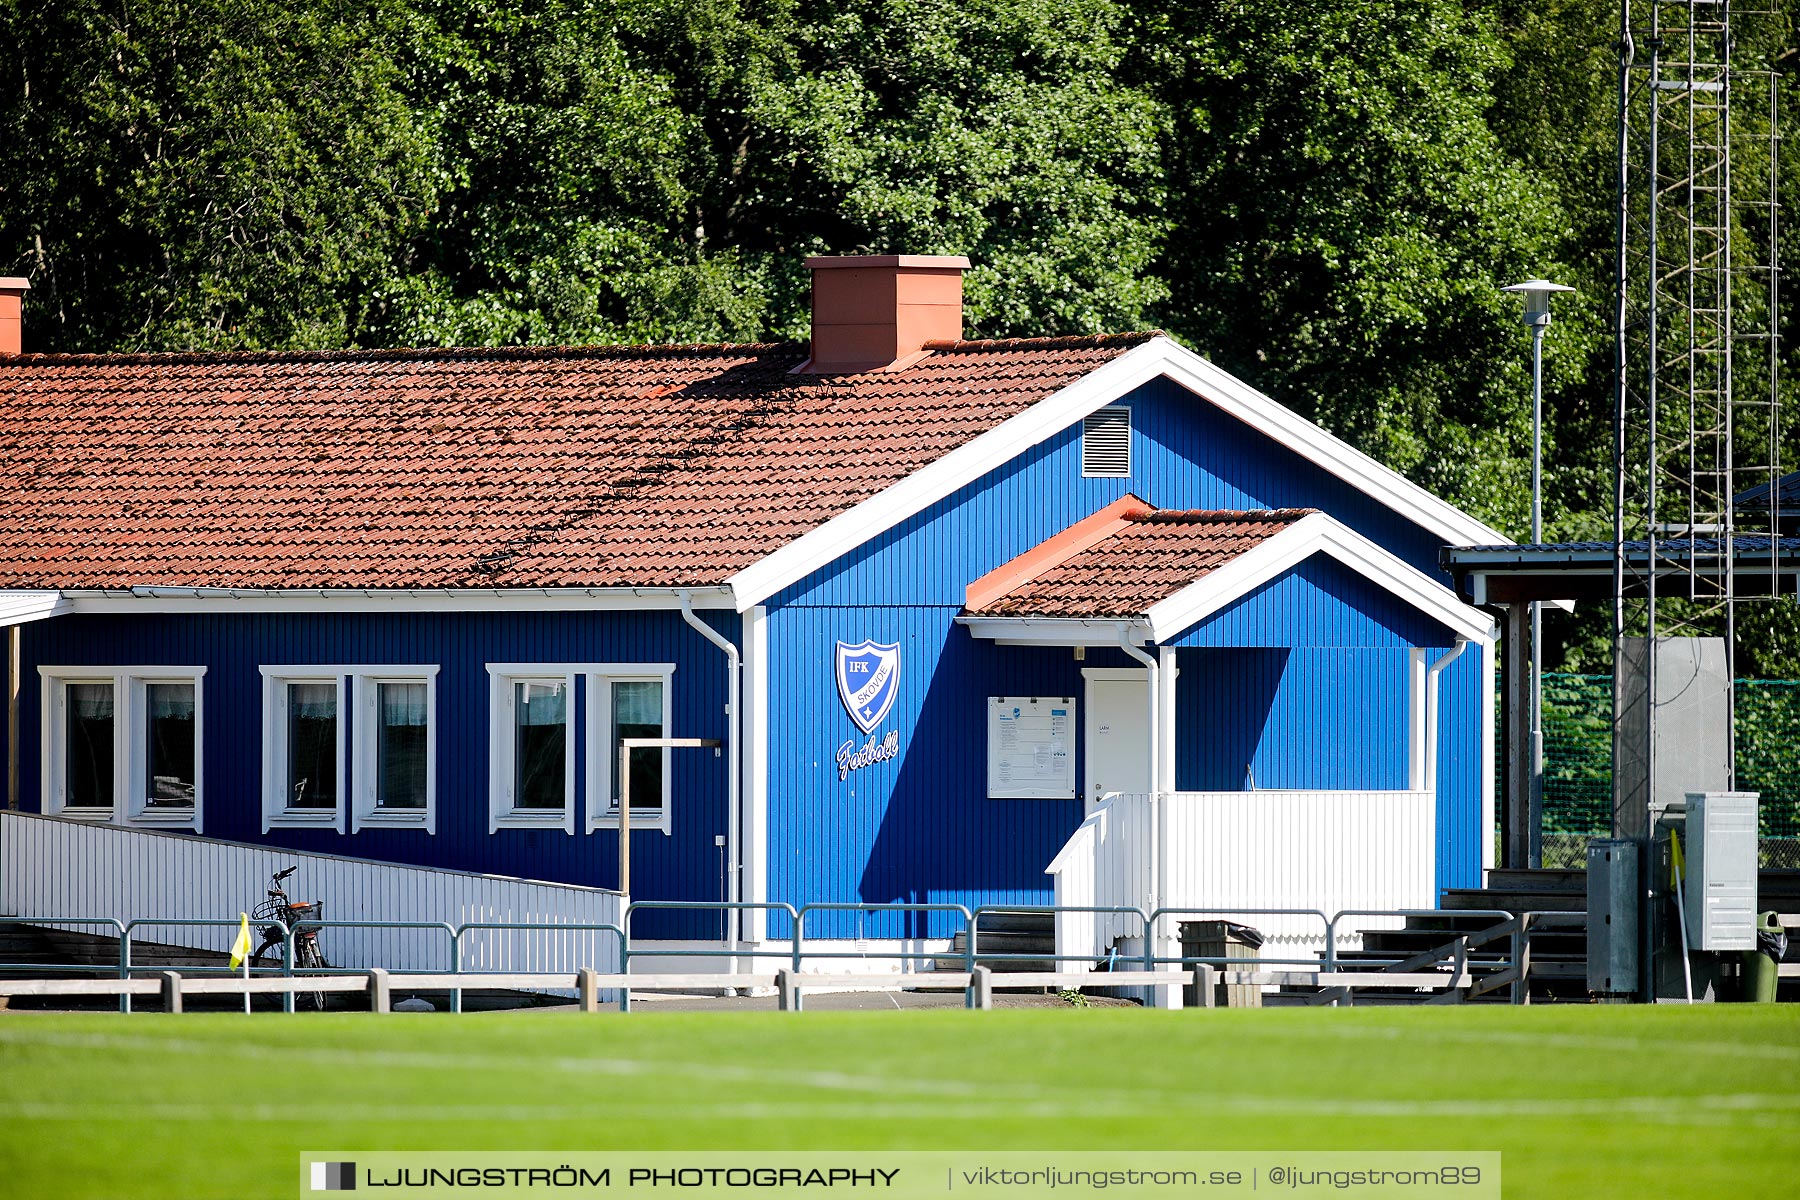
(1317, 533)
(1159, 357)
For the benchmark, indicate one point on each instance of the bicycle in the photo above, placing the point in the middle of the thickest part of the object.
(306, 941)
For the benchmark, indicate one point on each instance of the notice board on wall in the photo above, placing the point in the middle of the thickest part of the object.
(1031, 747)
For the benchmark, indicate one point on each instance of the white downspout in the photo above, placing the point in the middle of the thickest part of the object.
(1431, 712)
(733, 709)
(1152, 673)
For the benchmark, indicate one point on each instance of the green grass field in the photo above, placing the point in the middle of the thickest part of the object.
(1581, 1101)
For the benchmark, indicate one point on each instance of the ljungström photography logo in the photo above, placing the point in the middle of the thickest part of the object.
(334, 1177)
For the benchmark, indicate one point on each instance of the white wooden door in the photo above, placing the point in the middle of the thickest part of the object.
(1117, 733)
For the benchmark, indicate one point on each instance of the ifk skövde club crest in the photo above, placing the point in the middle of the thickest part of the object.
(868, 679)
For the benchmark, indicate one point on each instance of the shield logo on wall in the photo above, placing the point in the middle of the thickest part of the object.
(868, 678)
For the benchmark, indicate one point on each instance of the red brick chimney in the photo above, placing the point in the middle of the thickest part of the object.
(875, 312)
(12, 320)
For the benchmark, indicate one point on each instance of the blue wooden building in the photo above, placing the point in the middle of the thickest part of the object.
(939, 602)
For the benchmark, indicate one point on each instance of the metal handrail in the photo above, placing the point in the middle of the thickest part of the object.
(798, 952)
(1151, 960)
(1459, 950)
(852, 906)
(1098, 909)
(709, 906)
(287, 950)
(124, 1001)
(626, 953)
(444, 926)
(897, 906)
(456, 945)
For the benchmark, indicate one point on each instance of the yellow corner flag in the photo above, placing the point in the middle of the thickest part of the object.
(240, 949)
(1677, 867)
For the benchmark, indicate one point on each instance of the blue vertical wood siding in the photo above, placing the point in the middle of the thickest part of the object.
(1462, 692)
(1305, 718)
(682, 865)
(920, 828)
(1319, 602)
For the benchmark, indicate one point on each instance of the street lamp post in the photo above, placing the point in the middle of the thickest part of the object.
(1537, 293)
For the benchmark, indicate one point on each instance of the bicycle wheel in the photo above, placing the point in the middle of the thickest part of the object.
(306, 958)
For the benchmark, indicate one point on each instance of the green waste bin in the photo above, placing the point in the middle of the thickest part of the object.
(1762, 965)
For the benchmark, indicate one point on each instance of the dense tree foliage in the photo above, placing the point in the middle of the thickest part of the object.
(1322, 195)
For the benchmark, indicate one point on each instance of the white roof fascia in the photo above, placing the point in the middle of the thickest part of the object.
(377, 600)
(931, 483)
(1317, 533)
(20, 607)
(1057, 631)
(1158, 357)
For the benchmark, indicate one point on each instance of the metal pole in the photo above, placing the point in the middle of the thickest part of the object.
(12, 717)
(625, 819)
(1535, 835)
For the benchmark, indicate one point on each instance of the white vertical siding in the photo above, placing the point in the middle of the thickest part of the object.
(1233, 851)
(51, 867)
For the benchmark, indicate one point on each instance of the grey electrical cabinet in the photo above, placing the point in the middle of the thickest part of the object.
(1613, 892)
(1719, 888)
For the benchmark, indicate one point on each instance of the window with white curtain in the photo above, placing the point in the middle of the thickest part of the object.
(536, 712)
(303, 747)
(531, 747)
(350, 747)
(123, 744)
(395, 765)
(629, 707)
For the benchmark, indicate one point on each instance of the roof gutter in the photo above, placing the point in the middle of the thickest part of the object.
(161, 592)
(169, 598)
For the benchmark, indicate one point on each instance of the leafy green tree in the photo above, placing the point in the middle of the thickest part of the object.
(1344, 215)
(216, 173)
(656, 171)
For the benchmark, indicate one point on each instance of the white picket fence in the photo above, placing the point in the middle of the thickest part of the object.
(56, 867)
(1238, 851)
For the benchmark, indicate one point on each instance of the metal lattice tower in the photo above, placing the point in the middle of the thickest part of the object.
(1697, 416)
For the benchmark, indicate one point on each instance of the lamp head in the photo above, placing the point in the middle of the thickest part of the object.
(1537, 293)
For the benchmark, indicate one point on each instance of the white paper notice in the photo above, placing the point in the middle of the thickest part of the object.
(1031, 747)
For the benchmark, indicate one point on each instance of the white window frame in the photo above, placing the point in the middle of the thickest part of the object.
(365, 813)
(602, 761)
(131, 783)
(276, 813)
(501, 813)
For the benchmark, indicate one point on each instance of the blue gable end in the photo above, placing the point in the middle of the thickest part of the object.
(1321, 602)
(1301, 683)
(1185, 454)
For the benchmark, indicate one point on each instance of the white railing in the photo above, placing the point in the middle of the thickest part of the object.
(53, 866)
(1236, 851)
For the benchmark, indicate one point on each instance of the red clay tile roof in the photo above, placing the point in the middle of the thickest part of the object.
(1147, 557)
(595, 467)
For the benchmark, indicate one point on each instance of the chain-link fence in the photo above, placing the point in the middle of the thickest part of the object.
(1578, 764)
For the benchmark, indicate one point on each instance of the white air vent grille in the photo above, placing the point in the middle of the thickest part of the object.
(1106, 443)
